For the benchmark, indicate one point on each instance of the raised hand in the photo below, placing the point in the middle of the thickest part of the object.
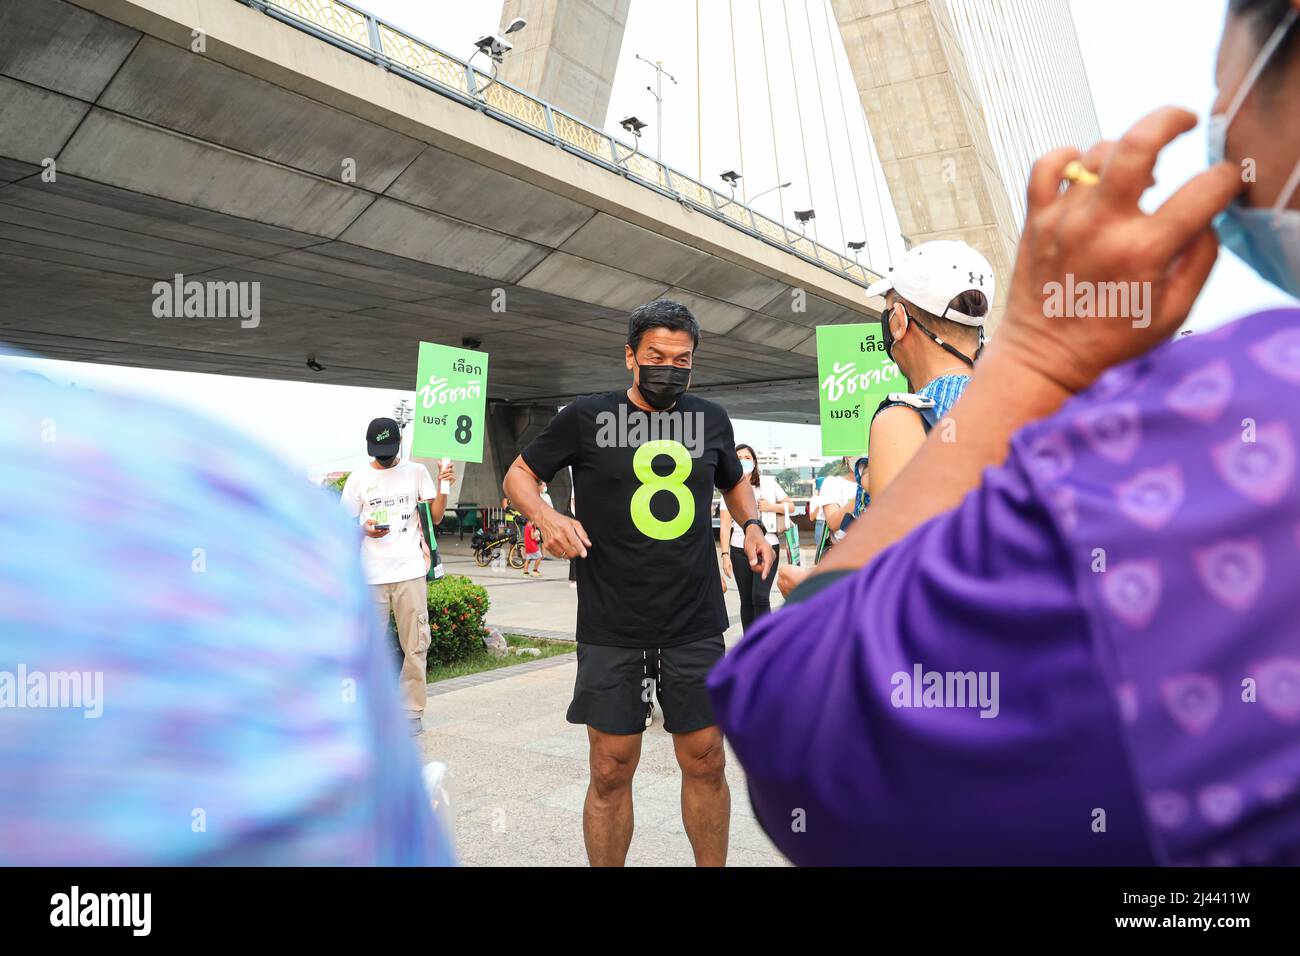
(1097, 280)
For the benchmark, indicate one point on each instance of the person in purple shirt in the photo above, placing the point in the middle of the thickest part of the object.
(1072, 636)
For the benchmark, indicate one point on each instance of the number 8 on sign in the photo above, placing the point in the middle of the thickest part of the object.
(463, 430)
(674, 483)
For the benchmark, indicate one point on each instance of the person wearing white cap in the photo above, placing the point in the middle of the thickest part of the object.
(936, 300)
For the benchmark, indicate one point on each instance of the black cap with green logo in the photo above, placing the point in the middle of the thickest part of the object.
(383, 438)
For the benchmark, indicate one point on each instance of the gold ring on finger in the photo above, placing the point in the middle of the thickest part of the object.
(1076, 172)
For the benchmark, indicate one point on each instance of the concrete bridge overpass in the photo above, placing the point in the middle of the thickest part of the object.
(378, 199)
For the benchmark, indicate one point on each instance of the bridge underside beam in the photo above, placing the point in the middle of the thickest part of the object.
(360, 218)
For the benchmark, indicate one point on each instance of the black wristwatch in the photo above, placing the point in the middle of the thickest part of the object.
(745, 527)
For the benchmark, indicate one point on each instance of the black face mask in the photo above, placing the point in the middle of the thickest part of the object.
(888, 339)
(387, 462)
(662, 385)
(886, 336)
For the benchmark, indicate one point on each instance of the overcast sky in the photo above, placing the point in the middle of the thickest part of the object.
(1139, 56)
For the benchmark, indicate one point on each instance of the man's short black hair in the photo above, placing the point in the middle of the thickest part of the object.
(970, 302)
(661, 314)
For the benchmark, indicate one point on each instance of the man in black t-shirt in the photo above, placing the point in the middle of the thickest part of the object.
(650, 609)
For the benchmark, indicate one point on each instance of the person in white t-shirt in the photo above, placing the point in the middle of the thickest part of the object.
(838, 496)
(755, 590)
(837, 503)
(383, 497)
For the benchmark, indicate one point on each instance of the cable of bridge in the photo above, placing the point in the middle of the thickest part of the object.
(875, 181)
(798, 111)
(771, 113)
(735, 80)
(826, 126)
(848, 136)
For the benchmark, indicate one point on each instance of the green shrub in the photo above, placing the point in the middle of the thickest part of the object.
(457, 607)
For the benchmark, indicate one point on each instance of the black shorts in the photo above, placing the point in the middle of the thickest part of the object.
(612, 690)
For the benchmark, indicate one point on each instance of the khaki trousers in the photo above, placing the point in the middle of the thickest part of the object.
(408, 600)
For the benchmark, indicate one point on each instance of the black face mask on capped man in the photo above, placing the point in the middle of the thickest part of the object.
(888, 339)
(387, 462)
(662, 385)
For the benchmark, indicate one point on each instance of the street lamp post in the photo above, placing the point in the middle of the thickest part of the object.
(658, 94)
(403, 414)
(754, 199)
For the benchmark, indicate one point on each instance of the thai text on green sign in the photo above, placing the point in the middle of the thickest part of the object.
(450, 400)
(853, 376)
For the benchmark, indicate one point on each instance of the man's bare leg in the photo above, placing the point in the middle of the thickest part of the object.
(607, 813)
(706, 799)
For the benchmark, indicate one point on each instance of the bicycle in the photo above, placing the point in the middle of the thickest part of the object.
(487, 544)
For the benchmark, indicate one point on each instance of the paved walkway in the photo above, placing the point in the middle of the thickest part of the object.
(519, 769)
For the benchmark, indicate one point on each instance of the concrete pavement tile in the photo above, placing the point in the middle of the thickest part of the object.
(519, 771)
(561, 745)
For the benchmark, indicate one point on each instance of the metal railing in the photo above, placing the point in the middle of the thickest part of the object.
(353, 29)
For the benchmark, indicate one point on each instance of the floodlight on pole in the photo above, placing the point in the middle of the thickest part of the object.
(803, 217)
(731, 178)
(633, 126)
(495, 47)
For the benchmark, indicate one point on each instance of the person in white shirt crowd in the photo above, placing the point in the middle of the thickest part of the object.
(837, 499)
(755, 589)
(383, 497)
(541, 487)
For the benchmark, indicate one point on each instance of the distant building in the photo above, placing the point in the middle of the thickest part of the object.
(800, 460)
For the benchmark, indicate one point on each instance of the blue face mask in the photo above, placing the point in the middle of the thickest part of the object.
(1267, 240)
(746, 466)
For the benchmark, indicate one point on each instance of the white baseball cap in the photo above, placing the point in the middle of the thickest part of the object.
(934, 273)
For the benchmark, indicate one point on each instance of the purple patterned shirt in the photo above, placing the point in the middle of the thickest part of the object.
(1094, 658)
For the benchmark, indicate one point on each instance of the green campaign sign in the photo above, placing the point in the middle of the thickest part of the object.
(853, 375)
(450, 398)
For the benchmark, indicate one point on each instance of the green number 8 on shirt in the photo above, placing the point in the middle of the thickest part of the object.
(651, 483)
